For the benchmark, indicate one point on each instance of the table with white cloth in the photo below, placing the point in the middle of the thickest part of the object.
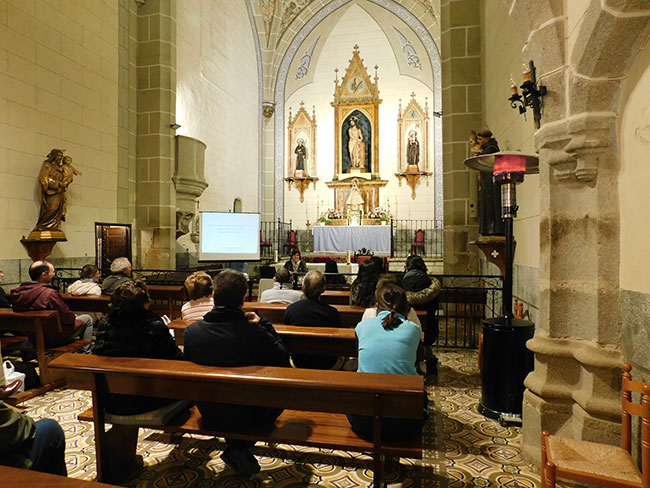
(341, 238)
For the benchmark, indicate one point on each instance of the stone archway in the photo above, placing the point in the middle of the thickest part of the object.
(574, 389)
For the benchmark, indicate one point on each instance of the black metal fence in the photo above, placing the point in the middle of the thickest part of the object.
(277, 236)
(422, 237)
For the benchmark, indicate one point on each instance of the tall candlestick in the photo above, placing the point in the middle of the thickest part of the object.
(513, 86)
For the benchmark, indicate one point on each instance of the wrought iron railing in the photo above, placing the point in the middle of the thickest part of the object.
(422, 237)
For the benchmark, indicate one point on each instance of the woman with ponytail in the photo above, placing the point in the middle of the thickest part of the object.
(388, 343)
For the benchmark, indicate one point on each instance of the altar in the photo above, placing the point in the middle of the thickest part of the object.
(341, 238)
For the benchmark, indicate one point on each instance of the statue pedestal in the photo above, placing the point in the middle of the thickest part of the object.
(39, 243)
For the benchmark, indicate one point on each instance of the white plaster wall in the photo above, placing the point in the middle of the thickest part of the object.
(357, 27)
(503, 60)
(217, 98)
(634, 178)
(58, 88)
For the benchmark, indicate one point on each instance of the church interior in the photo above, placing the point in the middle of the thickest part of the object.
(353, 119)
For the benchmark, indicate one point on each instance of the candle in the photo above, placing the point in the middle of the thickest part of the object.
(526, 74)
(275, 256)
(513, 86)
(349, 256)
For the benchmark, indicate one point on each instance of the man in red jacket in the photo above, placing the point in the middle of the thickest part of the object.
(38, 294)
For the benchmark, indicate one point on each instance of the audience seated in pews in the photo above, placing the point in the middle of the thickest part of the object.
(38, 294)
(27, 444)
(388, 343)
(332, 276)
(132, 330)
(295, 263)
(120, 272)
(362, 290)
(88, 282)
(228, 337)
(282, 291)
(198, 286)
(312, 312)
(4, 300)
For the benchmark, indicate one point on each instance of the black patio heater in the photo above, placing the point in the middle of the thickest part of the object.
(506, 361)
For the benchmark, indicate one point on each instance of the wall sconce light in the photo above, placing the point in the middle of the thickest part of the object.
(268, 109)
(174, 126)
(532, 94)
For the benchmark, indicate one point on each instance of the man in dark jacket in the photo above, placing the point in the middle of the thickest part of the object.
(490, 221)
(313, 313)
(228, 337)
(38, 294)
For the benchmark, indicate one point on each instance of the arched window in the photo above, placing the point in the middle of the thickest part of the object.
(236, 205)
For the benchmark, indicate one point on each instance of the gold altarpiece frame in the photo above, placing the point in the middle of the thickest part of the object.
(413, 144)
(356, 121)
(301, 157)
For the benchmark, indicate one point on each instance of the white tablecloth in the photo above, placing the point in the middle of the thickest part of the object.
(341, 238)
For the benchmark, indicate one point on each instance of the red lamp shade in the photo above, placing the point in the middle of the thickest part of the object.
(509, 163)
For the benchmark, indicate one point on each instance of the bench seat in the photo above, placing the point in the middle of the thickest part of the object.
(314, 429)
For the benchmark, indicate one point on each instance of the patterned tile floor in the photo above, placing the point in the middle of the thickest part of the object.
(462, 448)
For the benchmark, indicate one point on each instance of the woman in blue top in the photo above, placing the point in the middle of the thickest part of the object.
(388, 343)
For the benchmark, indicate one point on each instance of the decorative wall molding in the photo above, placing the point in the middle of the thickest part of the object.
(410, 54)
(305, 61)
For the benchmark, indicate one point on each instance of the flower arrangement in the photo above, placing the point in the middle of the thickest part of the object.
(332, 214)
(378, 213)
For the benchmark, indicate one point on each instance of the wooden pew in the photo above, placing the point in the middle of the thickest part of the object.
(35, 324)
(34, 479)
(350, 314)
(320, 400)
(87, 303)
(336, 297)
(318, 341)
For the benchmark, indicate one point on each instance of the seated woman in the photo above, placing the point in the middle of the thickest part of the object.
(388, 343)
(395, 280)
(295, 263)
(131, 330)
(199, 288)
(332, 276)
(362, 291)
(88, 284)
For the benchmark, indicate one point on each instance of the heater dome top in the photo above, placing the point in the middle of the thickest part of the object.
(485, 163)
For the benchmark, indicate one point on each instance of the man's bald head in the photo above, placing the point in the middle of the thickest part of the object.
(313, 284)
(41, 271)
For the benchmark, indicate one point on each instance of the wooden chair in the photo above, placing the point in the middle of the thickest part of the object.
(602, 464)
(265, 246)
(419, 243)
(291, 242)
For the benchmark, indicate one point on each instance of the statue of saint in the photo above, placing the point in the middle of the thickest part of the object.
(356, 146)
(413, 152)
(301, 155)
(54, 178)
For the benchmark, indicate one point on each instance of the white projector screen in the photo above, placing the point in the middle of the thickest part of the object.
(227, 236)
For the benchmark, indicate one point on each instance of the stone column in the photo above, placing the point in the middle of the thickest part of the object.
(462, 111)
(156, 101)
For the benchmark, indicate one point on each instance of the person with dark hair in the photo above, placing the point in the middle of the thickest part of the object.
(4, 300)
(39, 294)
(332, 276)
(199, 289)
(395, 280)
(295, 263)
(132, 330)
(362, 291)
(121, 269)
(311, 312)
(423, 292)
(229, 337)
(88, 282)
(282, 291)
(388, 343)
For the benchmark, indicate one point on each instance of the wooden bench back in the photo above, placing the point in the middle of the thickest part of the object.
(350, 314)
(87, 303)
(299, 389)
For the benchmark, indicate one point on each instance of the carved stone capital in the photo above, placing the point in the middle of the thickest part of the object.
(189, 186)
(578, 146)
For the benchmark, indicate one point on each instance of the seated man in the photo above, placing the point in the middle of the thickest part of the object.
(282, 291)
(314, 313)
(120, 272)
(228, 337)
(38, 294)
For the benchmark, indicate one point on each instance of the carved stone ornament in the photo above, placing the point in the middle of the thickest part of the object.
(268, 109)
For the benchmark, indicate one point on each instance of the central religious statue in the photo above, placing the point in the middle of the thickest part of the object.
(356, 145)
